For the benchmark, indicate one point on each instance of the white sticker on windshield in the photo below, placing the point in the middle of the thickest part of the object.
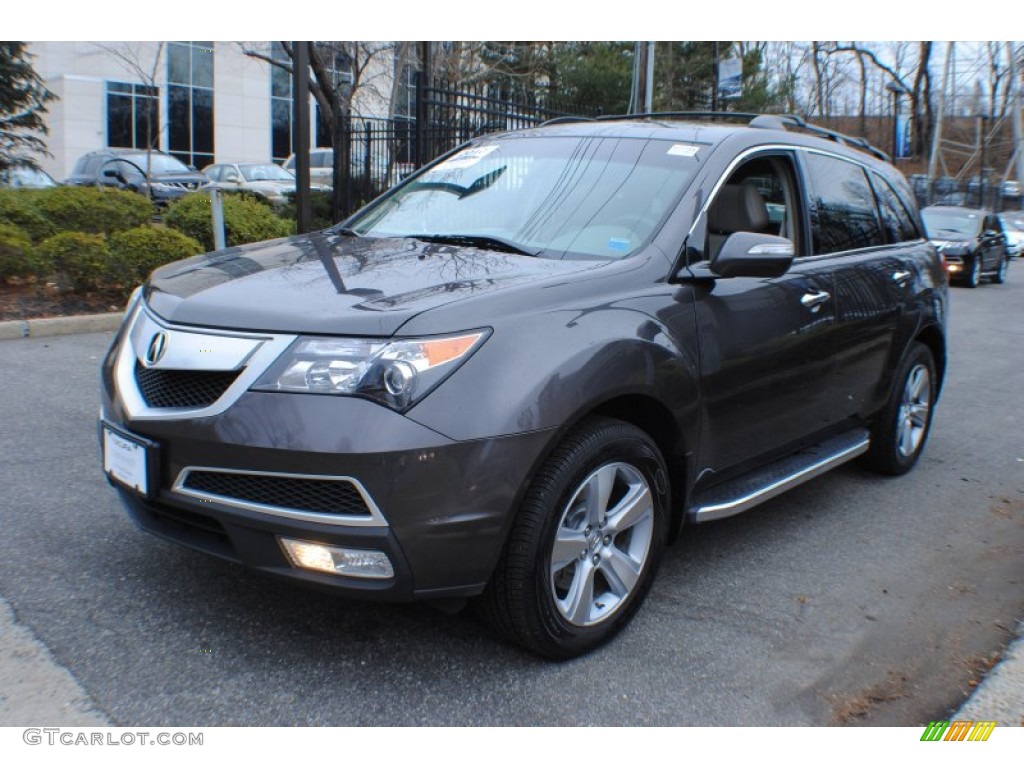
(466, 158)
(683, 150)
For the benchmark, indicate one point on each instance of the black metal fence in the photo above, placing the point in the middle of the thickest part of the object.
(382, 152)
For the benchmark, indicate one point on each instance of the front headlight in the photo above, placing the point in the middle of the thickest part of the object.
(396, 373)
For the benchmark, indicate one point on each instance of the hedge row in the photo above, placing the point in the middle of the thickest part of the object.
(93, 262)
(98, 238)
(44, 212)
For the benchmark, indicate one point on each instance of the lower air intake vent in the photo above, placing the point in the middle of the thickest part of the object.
(181, 389)
(326, 497)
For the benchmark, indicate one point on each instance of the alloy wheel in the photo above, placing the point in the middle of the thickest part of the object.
(602, 544)
(915, 408)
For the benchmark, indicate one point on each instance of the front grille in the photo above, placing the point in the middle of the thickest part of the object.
(338, 497)
(181, 389)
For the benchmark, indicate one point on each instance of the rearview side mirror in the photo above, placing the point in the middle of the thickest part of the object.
(751, 254)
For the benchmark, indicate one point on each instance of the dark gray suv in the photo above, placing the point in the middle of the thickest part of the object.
(519, 374)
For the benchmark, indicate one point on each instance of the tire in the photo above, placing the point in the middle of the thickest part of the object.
(1000, 276)
(585, 545)
(974, 276)
(899, 434)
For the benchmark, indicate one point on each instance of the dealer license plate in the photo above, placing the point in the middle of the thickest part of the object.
(126, 461)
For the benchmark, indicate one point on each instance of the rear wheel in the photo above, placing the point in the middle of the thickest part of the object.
(899, 434)
(583, 550)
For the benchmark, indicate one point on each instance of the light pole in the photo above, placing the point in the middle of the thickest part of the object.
(897, 90)
(982, 117)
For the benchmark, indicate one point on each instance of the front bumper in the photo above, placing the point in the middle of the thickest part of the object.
(444, 506)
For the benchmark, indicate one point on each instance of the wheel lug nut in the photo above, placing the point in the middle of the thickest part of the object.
(597, 559)
(587, 530)
(607, 540)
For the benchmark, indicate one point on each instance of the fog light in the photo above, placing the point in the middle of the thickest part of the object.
(358, 563)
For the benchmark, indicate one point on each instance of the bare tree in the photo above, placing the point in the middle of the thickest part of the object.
(142, 61)
(909, 72)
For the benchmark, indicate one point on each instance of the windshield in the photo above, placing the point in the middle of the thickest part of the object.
(557, 197)
(1012, 222)
(265, 173)
(158, 163)
(944, 224)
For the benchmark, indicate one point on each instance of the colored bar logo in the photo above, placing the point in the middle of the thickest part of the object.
(958, 730)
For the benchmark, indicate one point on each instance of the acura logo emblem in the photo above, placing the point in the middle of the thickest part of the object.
(157, 347)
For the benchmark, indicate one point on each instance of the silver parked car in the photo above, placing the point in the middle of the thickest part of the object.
(271, 182)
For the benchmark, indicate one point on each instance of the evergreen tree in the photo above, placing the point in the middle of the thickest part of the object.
(23, 99)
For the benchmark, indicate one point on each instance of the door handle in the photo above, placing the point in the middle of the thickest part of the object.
(813, 301)
(901, 277)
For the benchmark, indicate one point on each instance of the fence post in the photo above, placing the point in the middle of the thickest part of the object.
(423, 83)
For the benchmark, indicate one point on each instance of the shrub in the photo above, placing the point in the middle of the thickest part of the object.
(137, 252)
(245, 220)
(17, 257)
(320, 206)
(93, 209)
(82, 258)
(18, 207)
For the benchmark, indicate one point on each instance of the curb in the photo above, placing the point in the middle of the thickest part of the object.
(1000, 696)
(59, 326)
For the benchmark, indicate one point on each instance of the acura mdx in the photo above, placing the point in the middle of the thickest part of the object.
(519, 374)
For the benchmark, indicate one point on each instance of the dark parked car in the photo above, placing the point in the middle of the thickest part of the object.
(162, 177)
(971, 241)
(519, 374)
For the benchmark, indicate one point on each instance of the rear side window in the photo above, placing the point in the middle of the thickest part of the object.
(92, 165)
(843, 213)
(896, 220)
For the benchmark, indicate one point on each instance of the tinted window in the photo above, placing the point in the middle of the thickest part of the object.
(843, 214)
(896, 220)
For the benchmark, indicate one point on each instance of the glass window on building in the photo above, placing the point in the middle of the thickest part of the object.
(280, 106)
(133, 116)
(190, 102)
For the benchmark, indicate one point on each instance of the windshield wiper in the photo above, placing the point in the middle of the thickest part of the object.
(488, 242)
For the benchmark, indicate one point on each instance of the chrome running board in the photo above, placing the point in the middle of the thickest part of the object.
(748, 491)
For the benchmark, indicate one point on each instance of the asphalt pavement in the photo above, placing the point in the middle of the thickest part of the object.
(851, 600)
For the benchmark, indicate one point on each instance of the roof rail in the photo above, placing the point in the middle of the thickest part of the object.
(569, 119)
(828, 133)
(779, 122)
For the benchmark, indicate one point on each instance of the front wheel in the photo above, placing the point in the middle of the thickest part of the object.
(583, 550)
(1000, 277)
(899, 434)
(974, 276)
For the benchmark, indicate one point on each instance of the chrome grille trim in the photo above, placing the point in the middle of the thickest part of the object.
(374, 519)
(249, 353)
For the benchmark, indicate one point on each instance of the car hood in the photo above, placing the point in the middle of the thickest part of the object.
(336, 284)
